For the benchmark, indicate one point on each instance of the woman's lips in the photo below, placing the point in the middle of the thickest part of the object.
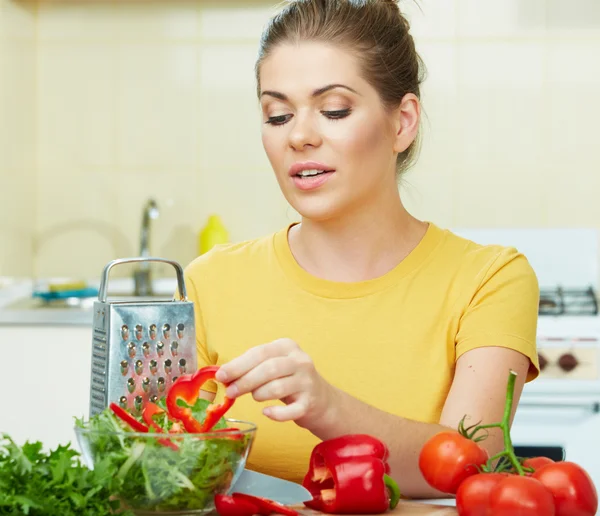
(312, 182)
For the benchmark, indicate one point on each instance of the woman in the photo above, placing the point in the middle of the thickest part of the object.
(360, 318)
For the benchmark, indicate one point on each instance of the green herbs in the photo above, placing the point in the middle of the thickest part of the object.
(37, 483)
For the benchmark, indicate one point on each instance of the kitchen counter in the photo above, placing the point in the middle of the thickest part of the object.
(431, 507)
(19, 308)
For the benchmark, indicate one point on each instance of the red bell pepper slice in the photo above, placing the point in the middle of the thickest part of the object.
(128, 418)
(187, 388)
(349, 475)
(228, 506)
(151, 409)
(264, 505)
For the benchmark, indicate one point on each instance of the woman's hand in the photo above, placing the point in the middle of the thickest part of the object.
(280, 370)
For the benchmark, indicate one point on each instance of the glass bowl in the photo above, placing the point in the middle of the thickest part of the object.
(157, 473)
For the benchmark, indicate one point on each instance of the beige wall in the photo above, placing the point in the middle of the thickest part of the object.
(138, 99)
(17, 137)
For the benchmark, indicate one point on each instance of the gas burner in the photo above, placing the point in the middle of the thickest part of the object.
(560, 301)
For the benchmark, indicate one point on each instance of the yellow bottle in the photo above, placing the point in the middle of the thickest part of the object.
(212, 234)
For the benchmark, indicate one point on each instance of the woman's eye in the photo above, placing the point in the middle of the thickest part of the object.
(336, 115)
(279, 119)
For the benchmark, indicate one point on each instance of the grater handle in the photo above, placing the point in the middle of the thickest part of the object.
(103, 291)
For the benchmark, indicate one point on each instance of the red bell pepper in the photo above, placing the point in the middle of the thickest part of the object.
(150, 410)
(241, 504)
(128, 418)
(228, 506)
(349, 475)
(187, 388)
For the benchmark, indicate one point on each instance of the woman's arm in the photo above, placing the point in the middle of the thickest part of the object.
(478, 391)
(281, 370)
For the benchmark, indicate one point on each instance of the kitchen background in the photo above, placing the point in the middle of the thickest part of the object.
(106, 103)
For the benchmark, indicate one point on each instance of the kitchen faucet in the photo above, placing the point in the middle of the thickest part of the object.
(141, 276)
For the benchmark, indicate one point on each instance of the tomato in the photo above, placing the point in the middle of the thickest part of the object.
(572, 488)
(518, 495)
(536, 463)
(448, 458)
(473, 495)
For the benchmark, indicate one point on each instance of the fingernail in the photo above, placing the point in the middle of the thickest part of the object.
(232, 391)
(221, 376)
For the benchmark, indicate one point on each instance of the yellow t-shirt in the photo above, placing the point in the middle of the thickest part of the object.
(391, 342)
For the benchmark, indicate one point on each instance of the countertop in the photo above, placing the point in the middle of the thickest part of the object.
(431, 507)
(19, 308)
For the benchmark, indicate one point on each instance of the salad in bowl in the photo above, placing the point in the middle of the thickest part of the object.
(174, 457)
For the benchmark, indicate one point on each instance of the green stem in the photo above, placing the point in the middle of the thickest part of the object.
(393, 491)
(508, 451)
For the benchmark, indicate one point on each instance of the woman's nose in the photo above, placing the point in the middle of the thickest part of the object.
(304, 133)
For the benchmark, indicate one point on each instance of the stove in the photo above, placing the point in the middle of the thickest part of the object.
(574, 301)
(559, 413)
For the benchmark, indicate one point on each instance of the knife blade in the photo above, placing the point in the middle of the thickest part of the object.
(273, 488)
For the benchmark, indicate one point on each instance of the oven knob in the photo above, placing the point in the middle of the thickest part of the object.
(543, 362)
(568, 362)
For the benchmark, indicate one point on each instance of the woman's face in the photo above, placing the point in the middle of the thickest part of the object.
(330, 141)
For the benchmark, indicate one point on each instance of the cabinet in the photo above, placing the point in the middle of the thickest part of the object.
(44, 382)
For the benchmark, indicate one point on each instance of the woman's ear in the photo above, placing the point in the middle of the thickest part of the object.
(406, 118)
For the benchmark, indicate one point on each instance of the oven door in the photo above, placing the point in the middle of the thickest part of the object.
(561, 430)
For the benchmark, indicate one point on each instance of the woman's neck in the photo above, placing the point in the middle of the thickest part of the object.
(360, 246)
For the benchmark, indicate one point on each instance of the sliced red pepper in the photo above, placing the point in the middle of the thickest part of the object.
(187, 388)
(228, 506)
(128, 418)
(264, 505)
(151, 409)
(349, 475)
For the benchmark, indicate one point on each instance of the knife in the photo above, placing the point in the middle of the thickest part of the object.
(273, 488)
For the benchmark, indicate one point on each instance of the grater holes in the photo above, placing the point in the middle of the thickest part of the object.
(166, 329)
(161, 384)
(160, 349)
(139, 367)
(137, 402)
(153, 366)
(131, 385)
(131, 349)
(168, 365)
(154, 398)
(139, 332)
(174, 348)
(146, 384)
(175, 378)
(182, 365)
(125, 332)
(180, 328)
(123, 402)
(124, 367)
(146, 349)
(152, 331)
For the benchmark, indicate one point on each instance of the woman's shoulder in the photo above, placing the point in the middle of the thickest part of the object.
(484, 261)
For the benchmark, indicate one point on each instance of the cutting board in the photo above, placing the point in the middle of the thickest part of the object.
(404, 508)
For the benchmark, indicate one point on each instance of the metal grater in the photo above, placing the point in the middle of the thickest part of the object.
(139, 348)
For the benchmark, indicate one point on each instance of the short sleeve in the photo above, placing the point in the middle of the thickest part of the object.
(205, 356)
(503, 311)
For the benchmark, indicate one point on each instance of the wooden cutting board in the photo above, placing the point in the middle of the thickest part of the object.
(403, 508)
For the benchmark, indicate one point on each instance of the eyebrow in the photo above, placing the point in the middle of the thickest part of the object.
(315, 93)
